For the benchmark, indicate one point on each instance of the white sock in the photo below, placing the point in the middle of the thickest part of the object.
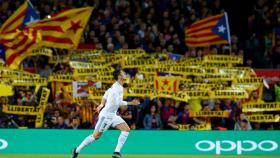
(89, 139)
(122, 138)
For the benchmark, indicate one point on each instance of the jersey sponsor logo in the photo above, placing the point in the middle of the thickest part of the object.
(240, 146)
(3, 144)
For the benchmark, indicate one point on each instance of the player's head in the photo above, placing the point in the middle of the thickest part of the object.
(119, 75)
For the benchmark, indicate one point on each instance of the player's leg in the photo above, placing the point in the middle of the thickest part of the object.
(89, 139)
(120, 124)
(102, 125)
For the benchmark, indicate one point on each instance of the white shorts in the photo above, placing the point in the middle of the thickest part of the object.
(106, 121)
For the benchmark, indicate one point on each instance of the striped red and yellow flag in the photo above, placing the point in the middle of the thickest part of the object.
(24, 42)
(15, 21)
(208, 31)
(63, 30)
(14, 37)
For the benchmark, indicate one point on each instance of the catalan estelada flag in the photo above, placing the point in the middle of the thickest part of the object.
(64, 29)
(208, 31)
(24, 15)
(60, 31)
(167, 84)
(14, 39)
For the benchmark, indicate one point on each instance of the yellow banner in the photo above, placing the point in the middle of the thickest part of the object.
(184, 70)
(59, 59)
(92, 71)
(237, 72)
(166, 63)
(44, 97)
(190, 62)
(29, 82)
(249, 87)
(258, 107)
(113, 59)
(210, 70)
(224, 114)
(88, 57)
(201, 86)
(20, 110)
(215, 64)
(132, 52)
(5, 72)
(138, 92)
(81, 99)
(85, 51)
(223, 59)
(40, 51)
(61, 77)
(139, 63)
(104, 79)
(180, 96)
(6, 90)
(229, 94)
(248, 80)
(82, 65)
(84, 55)
(42, 105)
(197, 94)
(214, 78)
(198, 127)
(184, 80)
(143, 82)
(264, 118)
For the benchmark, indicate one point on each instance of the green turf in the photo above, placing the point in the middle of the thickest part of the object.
(133, 156)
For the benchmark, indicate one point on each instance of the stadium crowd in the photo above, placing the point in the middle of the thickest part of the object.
(155, 26)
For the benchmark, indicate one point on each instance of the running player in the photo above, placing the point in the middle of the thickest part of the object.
(112, 99)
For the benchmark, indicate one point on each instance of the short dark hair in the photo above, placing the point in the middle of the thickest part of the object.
(116, 74)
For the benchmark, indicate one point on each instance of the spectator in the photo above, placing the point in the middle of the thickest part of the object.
(242, 123)
(167, 110)
(46, 71)
(60, 123)
(184, 116)
(152, 120)
(75, 123)
(217, 122)
(231, 107)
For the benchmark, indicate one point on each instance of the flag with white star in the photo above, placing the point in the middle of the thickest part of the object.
(208, 31)
(31, 15)
(14, 40)
(23, 31)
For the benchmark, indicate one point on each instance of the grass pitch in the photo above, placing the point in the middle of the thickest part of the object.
(136, 156)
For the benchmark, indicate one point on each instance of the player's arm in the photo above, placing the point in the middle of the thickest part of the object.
(133, 102)
(102, 104)
(103, 101)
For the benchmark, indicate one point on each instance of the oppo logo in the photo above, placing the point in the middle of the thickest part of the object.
(239, 146)
(3, 144)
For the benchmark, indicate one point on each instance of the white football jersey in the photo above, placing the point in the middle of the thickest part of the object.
(114, 99)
